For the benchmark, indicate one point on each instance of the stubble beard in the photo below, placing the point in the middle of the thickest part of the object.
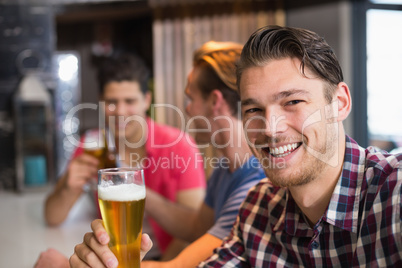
(309, 169)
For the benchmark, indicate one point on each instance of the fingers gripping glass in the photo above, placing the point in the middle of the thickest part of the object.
(121, 193)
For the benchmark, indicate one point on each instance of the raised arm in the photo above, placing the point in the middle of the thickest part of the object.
(181, 221)
(69, 188)
(191, 256)
(191, 199)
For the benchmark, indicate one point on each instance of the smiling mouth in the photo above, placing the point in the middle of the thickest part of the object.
(282, 151)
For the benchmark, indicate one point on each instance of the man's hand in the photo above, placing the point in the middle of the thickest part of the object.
(80, 171)
(51, 258)
(94, 250)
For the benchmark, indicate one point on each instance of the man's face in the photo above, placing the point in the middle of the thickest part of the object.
(197, 108)
(125, 105)
(284, 119)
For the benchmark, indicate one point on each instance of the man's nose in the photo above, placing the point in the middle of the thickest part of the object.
(120, 108)
(187, 109)
(275, 123)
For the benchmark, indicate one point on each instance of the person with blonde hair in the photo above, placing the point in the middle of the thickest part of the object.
(213, 105)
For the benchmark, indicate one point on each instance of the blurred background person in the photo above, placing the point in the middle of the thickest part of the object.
(123, 84)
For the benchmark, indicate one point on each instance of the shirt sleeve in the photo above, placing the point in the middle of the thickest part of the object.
(228, 213)
(232, 252)
(211, 186)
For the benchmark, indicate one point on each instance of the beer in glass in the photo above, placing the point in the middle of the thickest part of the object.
(121, 194)
(98, 144)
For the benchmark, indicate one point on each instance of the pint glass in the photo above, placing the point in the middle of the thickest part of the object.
(121, 194)
(97, 143)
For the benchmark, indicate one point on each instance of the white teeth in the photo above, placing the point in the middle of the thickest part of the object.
(282, 150)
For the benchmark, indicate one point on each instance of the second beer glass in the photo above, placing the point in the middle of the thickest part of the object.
(99, 143)
(121, 193)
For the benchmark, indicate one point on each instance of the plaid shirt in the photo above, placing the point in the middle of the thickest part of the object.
(360, 228)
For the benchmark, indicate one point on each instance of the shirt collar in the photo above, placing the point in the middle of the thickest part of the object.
(343, 208)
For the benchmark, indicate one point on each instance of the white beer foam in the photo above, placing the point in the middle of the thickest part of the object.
(121, 192)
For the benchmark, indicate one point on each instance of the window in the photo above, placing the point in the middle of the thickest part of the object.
(384, 73)
(384, 77)
(387, 2)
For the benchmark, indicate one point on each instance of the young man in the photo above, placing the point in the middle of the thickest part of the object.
(327, 202)
(123, 83)
(213, 105)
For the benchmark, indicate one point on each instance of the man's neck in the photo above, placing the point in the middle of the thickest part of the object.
(313, 198)
(132, 150)
(132, 156)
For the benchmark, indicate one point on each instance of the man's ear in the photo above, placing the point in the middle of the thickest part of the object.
(342, 95)
(216, 101)
(148, 99)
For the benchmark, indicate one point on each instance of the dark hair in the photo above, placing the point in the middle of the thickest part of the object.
(275, 42)
(123, 67)
(217, 60)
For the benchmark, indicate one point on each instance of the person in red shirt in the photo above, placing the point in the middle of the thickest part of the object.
(123, 82)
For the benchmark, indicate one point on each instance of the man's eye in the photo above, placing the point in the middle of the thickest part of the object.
(293, 102)
(252, 110)
(131, 101)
